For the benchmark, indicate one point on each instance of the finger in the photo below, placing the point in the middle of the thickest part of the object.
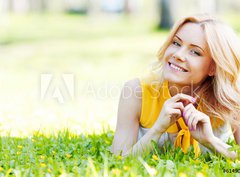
(195, 122)
(178, 105)
(182, 96)
(187, 113)
(190, 121)
(188, 108)
(177, 114)
(187, 102)
(176, 111)
(185, 118)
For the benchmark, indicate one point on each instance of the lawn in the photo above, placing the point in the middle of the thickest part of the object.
(67, 154)
(45, 136)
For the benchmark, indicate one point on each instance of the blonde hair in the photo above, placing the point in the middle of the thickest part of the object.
(220, 93)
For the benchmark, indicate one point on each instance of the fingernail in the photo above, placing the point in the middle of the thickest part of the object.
(193, 99)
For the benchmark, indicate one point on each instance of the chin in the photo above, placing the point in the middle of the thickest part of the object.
(175, 80)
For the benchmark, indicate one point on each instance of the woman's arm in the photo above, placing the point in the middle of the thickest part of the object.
(129, 111)
(216, 145)
(201, 130)
(236, 133)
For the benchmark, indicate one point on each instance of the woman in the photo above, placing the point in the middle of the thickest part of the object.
(192, 96)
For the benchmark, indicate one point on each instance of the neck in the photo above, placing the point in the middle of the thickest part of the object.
(185, 89)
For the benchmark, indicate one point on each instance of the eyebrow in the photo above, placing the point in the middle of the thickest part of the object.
(194, 45)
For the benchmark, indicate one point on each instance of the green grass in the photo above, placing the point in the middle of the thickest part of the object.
(68, 154)
(101, 53)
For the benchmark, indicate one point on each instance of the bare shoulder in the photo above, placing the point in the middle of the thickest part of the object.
(132, 94)
(134, 86)
(129, 110)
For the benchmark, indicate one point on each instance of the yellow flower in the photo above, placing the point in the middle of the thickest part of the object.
(68, 155)
(205, 166)
(9, 171)
(126, 168)
(116, 171)
(18, 153)
(42, 157)
(1, 169)
(19, 147)
(182, 175)
(229, 161)
(199, 174)
(107, 142)
(155, 157)
(49, 170)
(237, 161)
(43, 165)
(120, 157)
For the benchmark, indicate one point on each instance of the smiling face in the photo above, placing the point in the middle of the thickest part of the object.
(187, 57)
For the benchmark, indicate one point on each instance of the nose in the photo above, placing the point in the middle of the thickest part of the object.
(180, 54)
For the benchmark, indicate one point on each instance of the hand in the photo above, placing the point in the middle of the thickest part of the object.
(172, 111)
(198, 123)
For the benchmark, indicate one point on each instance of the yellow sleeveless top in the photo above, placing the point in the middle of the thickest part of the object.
(152, 103)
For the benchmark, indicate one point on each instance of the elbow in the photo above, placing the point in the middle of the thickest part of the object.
(233, 155)
(115, 151)
(119, 152)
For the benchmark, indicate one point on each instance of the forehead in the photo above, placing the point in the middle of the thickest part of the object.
(192, 33)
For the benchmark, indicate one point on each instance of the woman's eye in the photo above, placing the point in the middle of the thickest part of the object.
(195, 52)
(176, 43)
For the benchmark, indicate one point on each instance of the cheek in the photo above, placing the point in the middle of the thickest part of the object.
(168, 53)
(201, 67)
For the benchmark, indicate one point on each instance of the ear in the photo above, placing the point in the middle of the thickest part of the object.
(212, 69)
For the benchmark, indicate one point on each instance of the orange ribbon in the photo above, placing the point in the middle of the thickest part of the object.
(184, 138)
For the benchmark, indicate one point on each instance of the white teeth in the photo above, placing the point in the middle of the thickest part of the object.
(177, 68)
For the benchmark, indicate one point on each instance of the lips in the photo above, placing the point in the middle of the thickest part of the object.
(177, 67)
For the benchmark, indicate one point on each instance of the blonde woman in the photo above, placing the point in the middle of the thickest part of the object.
(192, 96)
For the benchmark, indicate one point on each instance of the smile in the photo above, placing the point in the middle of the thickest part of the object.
(176, 68)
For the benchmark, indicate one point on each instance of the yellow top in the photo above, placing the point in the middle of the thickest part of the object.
(152, 102)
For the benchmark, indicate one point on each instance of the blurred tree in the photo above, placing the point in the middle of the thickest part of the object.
(38, 5)
(77, 6)
(127, 10)
(10, 5)
(165, 14)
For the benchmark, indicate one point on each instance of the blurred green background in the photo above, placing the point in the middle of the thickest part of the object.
(101, 44)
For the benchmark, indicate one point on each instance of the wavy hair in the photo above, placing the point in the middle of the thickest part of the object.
(220, 93)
